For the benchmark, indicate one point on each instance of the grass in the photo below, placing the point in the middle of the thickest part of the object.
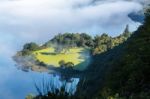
(49, 57)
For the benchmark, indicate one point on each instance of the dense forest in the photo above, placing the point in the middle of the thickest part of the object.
(123, 72)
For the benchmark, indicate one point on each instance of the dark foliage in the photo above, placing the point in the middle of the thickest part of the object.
(123, 72)
(28, 48)
(130, 75)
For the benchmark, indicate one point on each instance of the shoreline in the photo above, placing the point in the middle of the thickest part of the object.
(26, 64)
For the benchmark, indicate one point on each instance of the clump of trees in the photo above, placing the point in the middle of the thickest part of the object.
(31, 46)
(98, 44)
(28, 48)
(105, 42)
(71, 40)
(66, 65)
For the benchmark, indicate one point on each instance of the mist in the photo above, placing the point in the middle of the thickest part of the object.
(23, 21)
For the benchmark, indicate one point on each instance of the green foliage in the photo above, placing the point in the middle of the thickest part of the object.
(126, 32)
(25, 52)
(31, 46)
(122, 72)
(71, 40)
(68, 65)
(41, 63)
(98, 44)
(118, 66)
(62, 63)
(28, 48)
(129, 75)
(104, 42)
(101, 43)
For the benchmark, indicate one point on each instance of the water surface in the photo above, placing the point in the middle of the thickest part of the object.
(16, 84)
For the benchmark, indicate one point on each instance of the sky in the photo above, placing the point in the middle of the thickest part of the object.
(23, 21)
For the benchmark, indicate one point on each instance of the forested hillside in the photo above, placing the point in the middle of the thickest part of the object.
(130, 75)
(123, 72)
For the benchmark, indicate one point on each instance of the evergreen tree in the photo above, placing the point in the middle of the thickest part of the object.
(126, 32)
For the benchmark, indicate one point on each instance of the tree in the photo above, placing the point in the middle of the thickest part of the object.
(31, 46)
(69, 65)
(102, 43)
(72, 40)
(62, 63)
(126, 32)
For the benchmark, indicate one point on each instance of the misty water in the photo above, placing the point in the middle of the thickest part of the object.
(17, 84)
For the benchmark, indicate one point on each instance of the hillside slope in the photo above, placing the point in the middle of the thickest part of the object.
(123, 71)
(130, 75)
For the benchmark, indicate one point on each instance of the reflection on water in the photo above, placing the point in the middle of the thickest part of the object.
(16, 84)
(53, 82)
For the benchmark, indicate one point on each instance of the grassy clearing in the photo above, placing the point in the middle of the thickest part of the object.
(49, 56)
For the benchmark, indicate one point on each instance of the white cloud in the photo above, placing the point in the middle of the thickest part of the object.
(40, 20)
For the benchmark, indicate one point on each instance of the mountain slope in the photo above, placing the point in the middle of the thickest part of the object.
(130, 74)
(122, 71)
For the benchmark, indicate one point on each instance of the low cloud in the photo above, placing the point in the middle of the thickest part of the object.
(39, 20)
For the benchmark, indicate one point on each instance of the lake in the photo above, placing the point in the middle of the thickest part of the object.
(17, 84)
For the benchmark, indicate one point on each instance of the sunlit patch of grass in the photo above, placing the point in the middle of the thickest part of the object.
(51, 58)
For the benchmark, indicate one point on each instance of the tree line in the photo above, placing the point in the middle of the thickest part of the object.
(97, 44)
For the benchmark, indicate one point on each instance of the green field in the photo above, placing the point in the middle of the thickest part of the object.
(50, 57)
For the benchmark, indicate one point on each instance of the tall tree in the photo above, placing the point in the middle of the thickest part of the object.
(126, 32)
